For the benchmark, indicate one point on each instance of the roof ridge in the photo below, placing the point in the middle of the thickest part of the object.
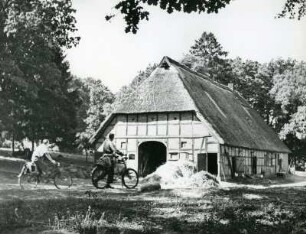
(235, 92)
(172, 61)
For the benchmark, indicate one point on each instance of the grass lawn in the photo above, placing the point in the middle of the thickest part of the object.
(83, 209)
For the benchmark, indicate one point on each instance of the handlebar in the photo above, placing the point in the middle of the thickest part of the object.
(123, 158)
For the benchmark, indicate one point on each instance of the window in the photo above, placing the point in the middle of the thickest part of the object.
(123, 145)
(132, 156)
(183, 144)
(186, 143)
(174, 156)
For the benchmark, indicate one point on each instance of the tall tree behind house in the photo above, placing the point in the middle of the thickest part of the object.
(275, 89)
(207, 56)
(96, 99)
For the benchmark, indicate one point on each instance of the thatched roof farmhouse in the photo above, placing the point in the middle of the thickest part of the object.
(177, 113)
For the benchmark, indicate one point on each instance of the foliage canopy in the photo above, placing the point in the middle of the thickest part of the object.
(134, 11)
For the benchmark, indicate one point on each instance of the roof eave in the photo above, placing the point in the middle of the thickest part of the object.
(95, 136)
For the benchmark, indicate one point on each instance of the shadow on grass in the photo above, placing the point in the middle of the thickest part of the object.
(219, 211)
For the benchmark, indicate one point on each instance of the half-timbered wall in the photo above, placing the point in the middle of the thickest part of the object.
(182, 133)
(186, 137)
(250, 161)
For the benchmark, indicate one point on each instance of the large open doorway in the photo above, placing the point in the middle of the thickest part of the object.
(151, 154)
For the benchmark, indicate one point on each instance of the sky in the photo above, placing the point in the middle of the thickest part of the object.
(245, 28)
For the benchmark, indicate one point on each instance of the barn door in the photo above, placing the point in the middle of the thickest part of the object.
(212, 163)
(202, 162)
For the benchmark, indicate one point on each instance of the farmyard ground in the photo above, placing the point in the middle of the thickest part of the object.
(253, 209)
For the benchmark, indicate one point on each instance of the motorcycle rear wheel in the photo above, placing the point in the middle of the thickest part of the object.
(99, 177)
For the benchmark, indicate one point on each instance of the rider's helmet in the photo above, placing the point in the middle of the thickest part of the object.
(45, 141)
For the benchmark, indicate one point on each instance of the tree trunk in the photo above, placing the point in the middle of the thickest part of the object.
(32, 140)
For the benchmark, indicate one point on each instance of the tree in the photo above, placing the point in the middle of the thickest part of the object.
(82, 141)
(134, 11)
(252, 80)
(289, 91)
(96, 99)
(33, 34)
(294, 9)
(207, 56)
(99, 96)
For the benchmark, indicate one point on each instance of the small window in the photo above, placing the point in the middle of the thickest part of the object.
(131, 156)
(123, 145)
(174, 156)
(183, 144)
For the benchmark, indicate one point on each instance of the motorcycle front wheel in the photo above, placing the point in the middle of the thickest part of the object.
(130, 178)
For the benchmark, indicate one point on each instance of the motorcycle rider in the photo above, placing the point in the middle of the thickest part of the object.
(110, 153)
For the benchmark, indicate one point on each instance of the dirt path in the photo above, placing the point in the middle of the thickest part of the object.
(10, 189)
(172, 210)
(163, 211)
(252, 186)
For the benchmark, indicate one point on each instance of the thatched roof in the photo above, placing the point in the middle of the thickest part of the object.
(173, 87)
(161, 92)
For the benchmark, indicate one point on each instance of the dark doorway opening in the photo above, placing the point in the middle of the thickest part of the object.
(254, 165)
(151, 154)
(212, 163)
(202, 165)
(234, 164)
